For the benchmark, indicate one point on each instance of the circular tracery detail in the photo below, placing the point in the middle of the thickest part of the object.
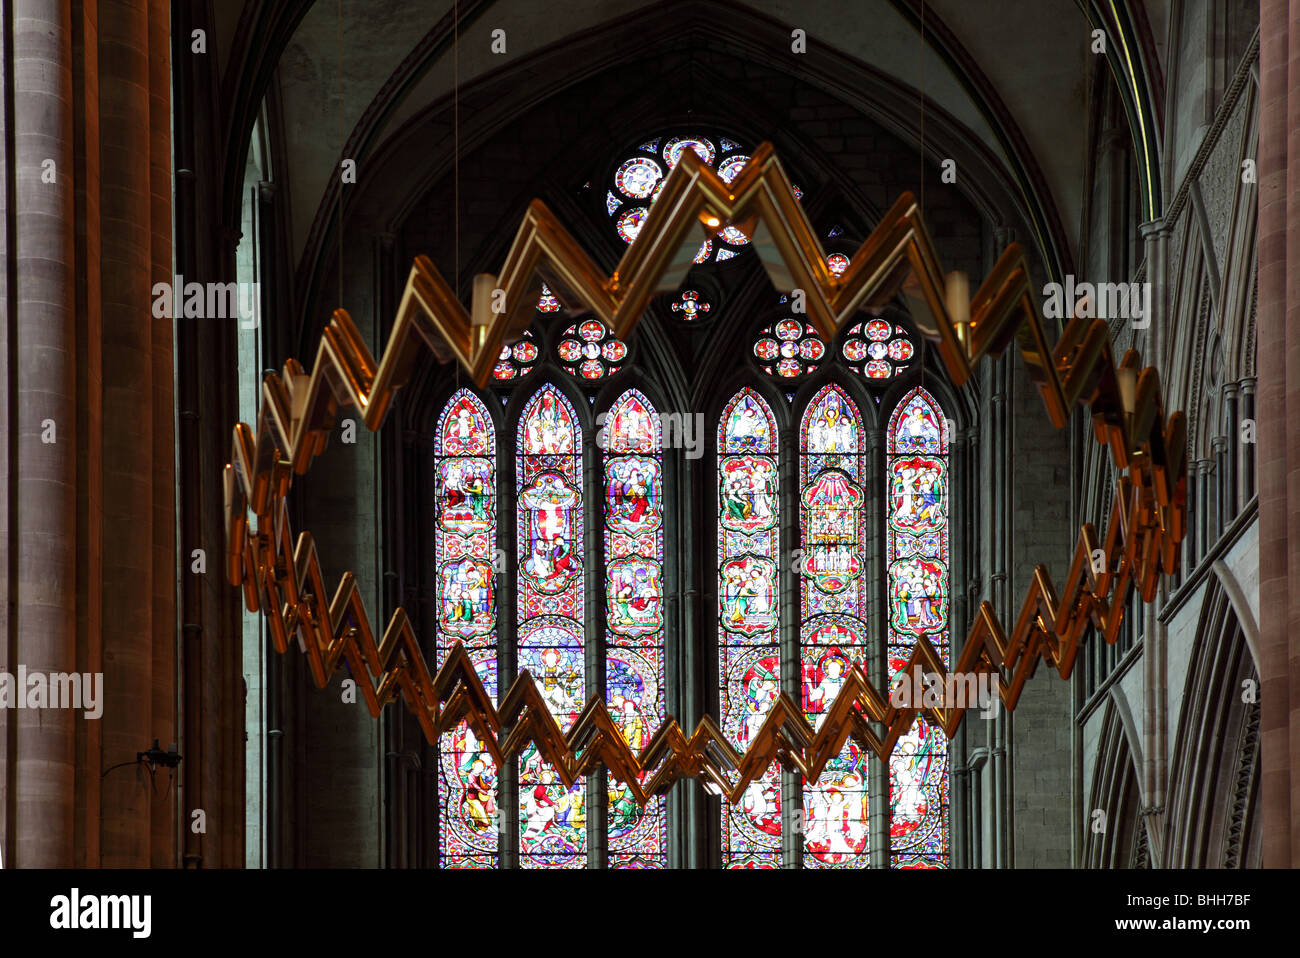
(789, 348)
(590, 351)
(691, 306)
(639, 178)
(517, 360)
(878, 349)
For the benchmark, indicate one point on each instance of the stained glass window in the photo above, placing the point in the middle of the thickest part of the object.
(748, 654)
(822, 589)
(552, 818)
(678, 145)
(917, 588)
(691, 306)
(547, 302)
(589, 350)
(789, 348)
(517, 360)
(878, 349)
(831, 598)
(465, 536)
(639, 178)
(634, 615)
(833, 634)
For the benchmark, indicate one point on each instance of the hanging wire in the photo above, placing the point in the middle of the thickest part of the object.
(923, 106)
(455, 138)
(455, 111)
(338, 132)
(925, 344)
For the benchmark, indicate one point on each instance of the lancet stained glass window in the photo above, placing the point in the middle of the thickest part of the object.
(634, 614)
(833, 634)
(831, 596)
(552, 818)
(465, 536)
(917, 557)
(749, 657)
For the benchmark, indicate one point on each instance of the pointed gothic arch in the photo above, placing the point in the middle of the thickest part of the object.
(1212, 818)
(1114, 832)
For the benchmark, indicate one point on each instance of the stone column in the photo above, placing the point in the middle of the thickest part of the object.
(1290, 381)
(1231, 480)
(89, 519)
(164, 838)
(1247, 441)
(1219, 447)
(90, 456)
(1279, 400)
(959, 481)
(127, 476)
(1205, 496)
(41, 403)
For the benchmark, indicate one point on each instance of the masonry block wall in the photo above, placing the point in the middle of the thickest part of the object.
(1040, 743)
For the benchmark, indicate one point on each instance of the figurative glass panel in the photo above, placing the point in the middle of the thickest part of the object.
(749, 658)
(552, 818)
(917, 588)
(833, 634)
(634, 615)
(464, 545)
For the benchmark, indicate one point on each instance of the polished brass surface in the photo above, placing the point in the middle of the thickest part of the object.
(282, 578)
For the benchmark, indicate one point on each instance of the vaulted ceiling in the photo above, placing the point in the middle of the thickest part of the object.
(353, 75)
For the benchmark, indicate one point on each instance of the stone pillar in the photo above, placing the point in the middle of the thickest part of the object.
(164, 838)
(127, 476)
(41, 402)
(90, 433)
(1247, 441)
(1228, 468)
(89, 521)
(1000, 775)
(1221, 485)
(959, 481)
(1279, 401)
(1205, 499)
(1155, 240)
(1290, 381)
(1155, 724)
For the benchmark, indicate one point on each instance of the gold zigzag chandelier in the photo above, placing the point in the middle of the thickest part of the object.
(283, 578)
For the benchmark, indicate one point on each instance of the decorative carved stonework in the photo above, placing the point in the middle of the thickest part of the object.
(1234, 833)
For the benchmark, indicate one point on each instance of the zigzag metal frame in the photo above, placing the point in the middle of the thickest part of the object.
(1146, 524)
